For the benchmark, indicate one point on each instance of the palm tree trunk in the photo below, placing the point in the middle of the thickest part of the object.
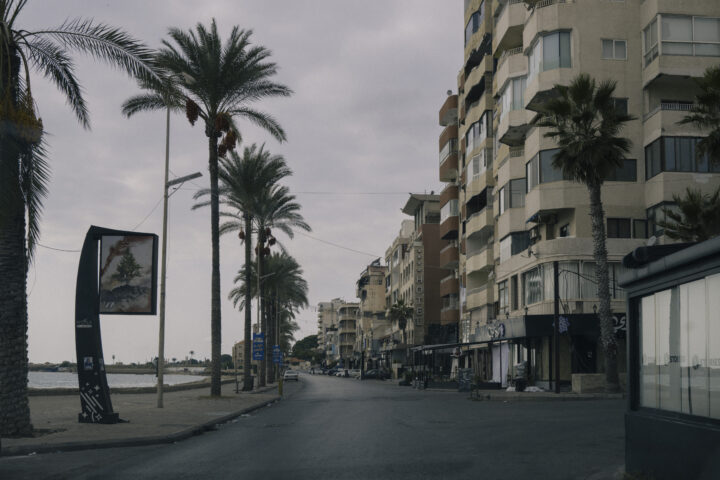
(247, 365)
(267, 312)
(607, 332)
(14, 407)
(215, 321)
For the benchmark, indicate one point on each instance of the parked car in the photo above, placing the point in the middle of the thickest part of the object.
(342, 373)
(377, 374)
(355, 372)
(291, 375)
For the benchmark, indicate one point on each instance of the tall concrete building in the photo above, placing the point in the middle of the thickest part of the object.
(414, 276)
(347, 324)
(508, 214)
(372, 323)
(328, 329)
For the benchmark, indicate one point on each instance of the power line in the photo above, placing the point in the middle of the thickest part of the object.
(339, 246)
(57, 249)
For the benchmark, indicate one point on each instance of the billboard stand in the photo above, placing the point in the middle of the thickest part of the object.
(96, 406)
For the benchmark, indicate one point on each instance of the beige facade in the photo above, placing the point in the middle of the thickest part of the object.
(372, 323)
(508, 214)
(328, 337)
(347, 314)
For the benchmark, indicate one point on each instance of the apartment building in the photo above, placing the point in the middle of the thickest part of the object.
(347, 325)
(508, 214)
(328, 329)
(414, 276)
(372, 323)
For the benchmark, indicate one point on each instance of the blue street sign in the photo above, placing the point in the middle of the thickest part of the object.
(258, 346)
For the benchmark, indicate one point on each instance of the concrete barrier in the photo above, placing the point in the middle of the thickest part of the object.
(594, 382)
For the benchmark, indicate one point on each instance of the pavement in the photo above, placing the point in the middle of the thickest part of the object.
(186, 413)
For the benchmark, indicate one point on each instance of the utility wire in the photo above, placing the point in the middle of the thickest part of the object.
(57, 249)
(338, 246)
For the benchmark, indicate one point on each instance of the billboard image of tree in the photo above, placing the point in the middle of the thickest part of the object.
(127, 274)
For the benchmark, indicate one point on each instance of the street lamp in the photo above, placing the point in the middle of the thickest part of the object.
(166, 185)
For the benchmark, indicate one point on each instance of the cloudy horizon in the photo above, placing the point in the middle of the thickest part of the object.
(362, 127)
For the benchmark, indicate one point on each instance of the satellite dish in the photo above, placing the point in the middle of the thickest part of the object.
(651, 241)
(449, 92)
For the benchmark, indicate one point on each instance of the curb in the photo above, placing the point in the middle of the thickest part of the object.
(136, 441)
(49, 392)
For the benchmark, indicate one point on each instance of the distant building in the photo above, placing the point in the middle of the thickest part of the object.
(327, 329)
(372, 323)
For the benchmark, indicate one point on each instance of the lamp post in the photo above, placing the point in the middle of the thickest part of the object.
(163, 264)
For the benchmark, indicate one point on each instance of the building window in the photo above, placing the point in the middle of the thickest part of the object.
(448, 149)
(656, 214)
(565, 230)
(512, 96)
(621, 105)
(514, 243)
(476, 20)
(514, 292)
(625, 173)
(640, 229)
(618, 228)
(450, 209)
(503, 295)
(614, 49)
(676, 154)
(650, 42)
(512, 195)
(478, 132)
(540, 169)
(685, 35)
(533, 285)
(680, 348)
(551, 51)
(479, 164)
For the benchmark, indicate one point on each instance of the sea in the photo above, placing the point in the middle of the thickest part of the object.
(115, 380)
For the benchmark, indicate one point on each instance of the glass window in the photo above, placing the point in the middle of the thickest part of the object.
(565, 230)
(640, 229)
(548, 173)
(650, 42)
(531, 173)
(520, 242)
(503, 294)
(556, 51)
(618, 228)
(680, 354)
(675, 154)
(502, 194)
(686, 35)
(614, 49)
(517, 193)
(532, 286)
(626, 173)
(569, 280)
(448, 210)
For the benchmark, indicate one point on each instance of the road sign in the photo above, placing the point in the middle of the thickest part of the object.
(277, 354)
(258, 346)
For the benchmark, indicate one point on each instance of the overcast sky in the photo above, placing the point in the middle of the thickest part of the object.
(369, 77)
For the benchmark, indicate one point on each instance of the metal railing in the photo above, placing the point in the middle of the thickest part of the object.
(508, 53)
(670, 106)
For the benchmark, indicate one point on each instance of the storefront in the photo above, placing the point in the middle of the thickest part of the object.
(672, 425)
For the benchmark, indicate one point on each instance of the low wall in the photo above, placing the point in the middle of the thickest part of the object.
(594, 382)
(167, 388)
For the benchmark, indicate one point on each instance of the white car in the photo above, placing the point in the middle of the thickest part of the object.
(291, 375)
(354, 373)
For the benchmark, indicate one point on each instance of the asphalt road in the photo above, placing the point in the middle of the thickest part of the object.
(338, 428)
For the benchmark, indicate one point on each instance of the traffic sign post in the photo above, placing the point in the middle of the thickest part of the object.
(277, 354)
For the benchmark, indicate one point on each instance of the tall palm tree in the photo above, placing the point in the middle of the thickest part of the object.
(401, 313)
(243, 181)
(220, 82)
(697, 218)
(586, 125)
(24, 169)
(707, 114)
(277, 209)
(287, 293)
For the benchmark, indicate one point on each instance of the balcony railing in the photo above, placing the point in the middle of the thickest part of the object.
(671, 106)
(517, 151)
(449, 148)
(508, 53)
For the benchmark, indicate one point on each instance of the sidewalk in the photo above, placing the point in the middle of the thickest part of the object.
(185, 413)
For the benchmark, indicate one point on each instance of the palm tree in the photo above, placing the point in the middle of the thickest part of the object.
(243, 181)
(219, 83)
(288, 293)
(277, 209)
(707, 114)
(401, 313)
(24, 169)
(586, 124)
(698, 218)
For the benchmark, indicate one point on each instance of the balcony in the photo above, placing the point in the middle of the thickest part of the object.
(346, 315)
(511, 64)
(449, 256)
(512, 220)
(450, 192)
(347, 328)
(449, 315)
(542, 88)
(663, 121)
(480, 297)
(475, 89)
(479, 182)
(548, 16)
(449, 228)
(551, 197)
(509, 25)
(480, 221)
(449, 166)
(448, 114)
(513, 127)
(480, 261)
(450, 132)
(449, 286)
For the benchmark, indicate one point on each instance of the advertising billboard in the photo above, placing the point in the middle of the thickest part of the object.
(128, 274)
